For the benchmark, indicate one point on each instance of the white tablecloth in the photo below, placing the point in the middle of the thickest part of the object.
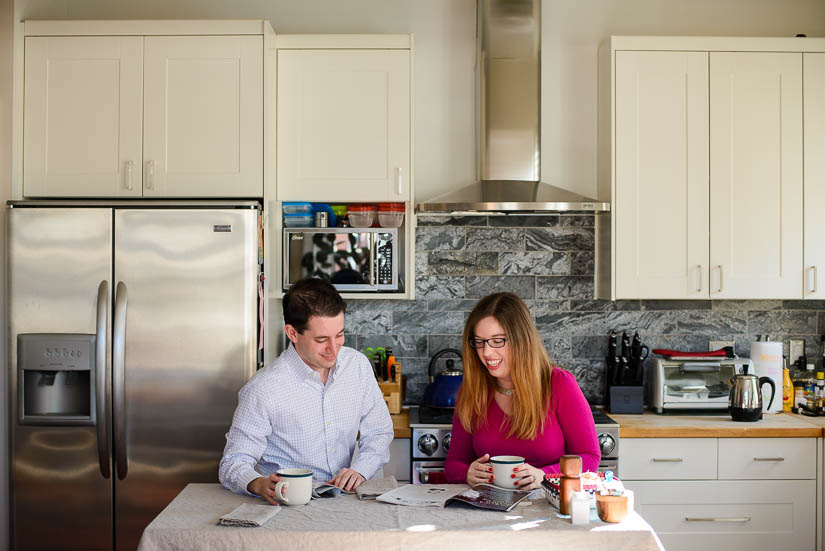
(345, 523)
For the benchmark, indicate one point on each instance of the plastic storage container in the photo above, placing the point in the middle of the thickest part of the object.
(361, 216)
(390, 215)
(299, 220)
(297, 208)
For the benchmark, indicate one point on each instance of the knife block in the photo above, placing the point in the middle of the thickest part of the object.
(393, 391)
(625, 399)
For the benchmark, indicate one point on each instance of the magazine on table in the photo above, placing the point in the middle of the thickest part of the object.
(485, 496)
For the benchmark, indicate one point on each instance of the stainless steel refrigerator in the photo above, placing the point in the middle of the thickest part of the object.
(132, 328)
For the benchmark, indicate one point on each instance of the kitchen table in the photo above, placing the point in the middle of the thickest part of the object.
(345, 523)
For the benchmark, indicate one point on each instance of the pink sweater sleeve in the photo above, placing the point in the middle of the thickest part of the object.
(461, 454)
(575, 420)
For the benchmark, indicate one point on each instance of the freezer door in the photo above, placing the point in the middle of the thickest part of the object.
(58, 259)
(186, 307)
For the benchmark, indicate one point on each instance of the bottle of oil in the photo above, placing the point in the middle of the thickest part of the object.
(787, 388)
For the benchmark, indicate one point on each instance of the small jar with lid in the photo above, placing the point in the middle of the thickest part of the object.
(390, 215)
(361, 215)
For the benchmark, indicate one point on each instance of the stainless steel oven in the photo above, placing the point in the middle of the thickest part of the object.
(352, 259)
(431, 441)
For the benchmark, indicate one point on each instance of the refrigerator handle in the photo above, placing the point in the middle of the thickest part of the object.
(118, 390)
(100, 377)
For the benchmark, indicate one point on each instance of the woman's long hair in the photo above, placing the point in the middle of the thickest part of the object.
(530, 369)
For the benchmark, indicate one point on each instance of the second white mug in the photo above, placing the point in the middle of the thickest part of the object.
(503, 466)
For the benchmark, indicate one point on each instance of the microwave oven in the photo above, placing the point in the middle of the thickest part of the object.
(352, 259)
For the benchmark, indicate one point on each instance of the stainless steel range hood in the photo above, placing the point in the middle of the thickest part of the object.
(508, 122)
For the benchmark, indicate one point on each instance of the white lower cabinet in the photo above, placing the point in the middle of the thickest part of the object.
(729, 515)
(399, 463)
(726, 493)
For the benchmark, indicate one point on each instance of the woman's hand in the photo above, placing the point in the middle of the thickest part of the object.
(480, 471)
(527, 477)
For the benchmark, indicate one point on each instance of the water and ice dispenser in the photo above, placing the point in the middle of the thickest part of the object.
(56, 379)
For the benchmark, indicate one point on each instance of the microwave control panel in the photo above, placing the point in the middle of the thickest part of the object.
(384, 256)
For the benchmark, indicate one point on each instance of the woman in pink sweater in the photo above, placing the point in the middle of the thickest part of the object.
(513, 401)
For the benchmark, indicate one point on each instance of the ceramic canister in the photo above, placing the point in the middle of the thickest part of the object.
(767, 362)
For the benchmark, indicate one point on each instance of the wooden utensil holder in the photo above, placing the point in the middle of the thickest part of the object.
(392, 395)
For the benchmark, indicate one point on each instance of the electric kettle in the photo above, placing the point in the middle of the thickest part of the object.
(745, 398)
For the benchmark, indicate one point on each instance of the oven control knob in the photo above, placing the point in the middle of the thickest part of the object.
(607, 443)
(445, 443)
(428, 444)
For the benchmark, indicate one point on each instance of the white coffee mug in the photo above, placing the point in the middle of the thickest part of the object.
(503, 466)
(295, 487)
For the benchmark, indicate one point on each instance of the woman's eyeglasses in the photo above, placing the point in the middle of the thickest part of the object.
(495, 342)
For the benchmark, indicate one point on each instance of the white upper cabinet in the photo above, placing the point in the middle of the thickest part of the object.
(203, 119)
(83, 116)
(143, 116)
(756, 175)
(703, 150)
(814, 170)
(661, 204)
(343, 124)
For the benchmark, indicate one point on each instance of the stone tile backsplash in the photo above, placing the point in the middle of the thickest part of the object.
(548, 260)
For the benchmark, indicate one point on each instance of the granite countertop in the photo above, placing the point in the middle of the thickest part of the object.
(780, 425)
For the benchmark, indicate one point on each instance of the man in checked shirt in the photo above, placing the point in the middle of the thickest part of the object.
(307, 407)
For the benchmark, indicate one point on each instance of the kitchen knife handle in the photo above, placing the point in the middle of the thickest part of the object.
(118, 373)
(699, 287)
(100, 378)
(130, 165)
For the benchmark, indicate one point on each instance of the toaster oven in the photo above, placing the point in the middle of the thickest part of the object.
(693, 384)
(351, 259)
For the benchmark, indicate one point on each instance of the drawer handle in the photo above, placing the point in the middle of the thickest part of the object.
(769, 459)
(718, 519)
(667, 459)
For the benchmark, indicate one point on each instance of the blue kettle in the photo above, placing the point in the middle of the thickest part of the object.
(443, 389)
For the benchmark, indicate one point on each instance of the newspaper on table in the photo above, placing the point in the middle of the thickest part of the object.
(325, 489)
(485, 496)
(371, 489)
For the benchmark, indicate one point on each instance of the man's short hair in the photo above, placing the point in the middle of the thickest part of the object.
(309, 297)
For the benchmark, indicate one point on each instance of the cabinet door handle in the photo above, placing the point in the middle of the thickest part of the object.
(399, 179)
(699, 287)
(150, 174)
(718, 519)
(812, 286)
(720, 278)
(667, 460)
(769, 459)
(130, 165)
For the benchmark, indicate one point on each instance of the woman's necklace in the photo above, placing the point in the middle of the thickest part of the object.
(504, 391)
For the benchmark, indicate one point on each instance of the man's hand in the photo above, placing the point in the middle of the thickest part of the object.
(265, 487)
(347, 479)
